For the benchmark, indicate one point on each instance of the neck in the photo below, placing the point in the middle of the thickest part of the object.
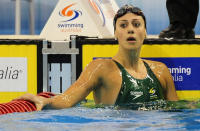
(129, 58)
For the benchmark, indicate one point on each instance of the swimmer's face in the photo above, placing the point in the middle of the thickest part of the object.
(130, 31)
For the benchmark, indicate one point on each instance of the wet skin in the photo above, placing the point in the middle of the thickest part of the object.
(103, 77)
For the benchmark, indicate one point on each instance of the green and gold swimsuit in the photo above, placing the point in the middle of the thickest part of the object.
(138, 90)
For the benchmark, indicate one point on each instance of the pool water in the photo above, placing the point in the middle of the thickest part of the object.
(101, 119)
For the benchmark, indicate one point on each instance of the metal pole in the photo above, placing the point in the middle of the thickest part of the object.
(73, 60)
(45, 70)
(18, 17)
(32, 17)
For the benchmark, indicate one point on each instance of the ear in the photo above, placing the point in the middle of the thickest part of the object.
(145, 34)
(115, 35)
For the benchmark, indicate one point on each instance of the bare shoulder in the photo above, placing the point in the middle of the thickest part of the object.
(102, 61)
(101, 64)
(159, 68)
(156, 65)
(161, 71)
(95, 70)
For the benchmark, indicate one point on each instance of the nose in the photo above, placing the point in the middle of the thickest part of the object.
(130, 32)
(130, 29)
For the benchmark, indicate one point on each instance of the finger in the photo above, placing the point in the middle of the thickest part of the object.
(39, 107)
(26, 96)
(39, 102)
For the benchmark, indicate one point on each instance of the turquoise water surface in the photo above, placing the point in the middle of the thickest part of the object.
(101, 119)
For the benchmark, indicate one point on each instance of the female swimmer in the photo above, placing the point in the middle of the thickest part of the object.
(126, 78)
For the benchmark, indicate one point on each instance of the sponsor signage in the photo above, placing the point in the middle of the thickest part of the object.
(80, 17)
(13, 74)
(184, 70)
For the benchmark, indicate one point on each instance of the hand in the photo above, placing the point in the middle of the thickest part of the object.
(39, 101)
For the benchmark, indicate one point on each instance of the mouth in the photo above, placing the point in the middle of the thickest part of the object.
(131, 39)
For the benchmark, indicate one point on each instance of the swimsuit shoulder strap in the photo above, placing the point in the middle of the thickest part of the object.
(119, 66)
(149, 71)
(123, 70)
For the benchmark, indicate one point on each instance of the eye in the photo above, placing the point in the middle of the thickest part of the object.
(136, 24)
(123, 25)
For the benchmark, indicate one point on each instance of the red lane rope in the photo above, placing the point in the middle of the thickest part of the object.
(21, 105)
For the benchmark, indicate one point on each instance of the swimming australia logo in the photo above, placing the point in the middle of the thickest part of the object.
(69, 13)
(10, 73)
(153, 94)
(152, 91)
(98, 10)
(178, 73)
(13, 74)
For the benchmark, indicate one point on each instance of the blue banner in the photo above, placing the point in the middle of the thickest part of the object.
(185, 71)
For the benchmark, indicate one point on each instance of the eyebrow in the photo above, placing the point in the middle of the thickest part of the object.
(131, 20)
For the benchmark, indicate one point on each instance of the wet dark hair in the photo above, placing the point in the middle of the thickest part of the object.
(128, 9)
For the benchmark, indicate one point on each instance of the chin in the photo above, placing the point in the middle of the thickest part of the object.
(133, 46)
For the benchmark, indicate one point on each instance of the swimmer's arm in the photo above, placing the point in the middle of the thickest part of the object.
(88, 80)
(170, 87)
